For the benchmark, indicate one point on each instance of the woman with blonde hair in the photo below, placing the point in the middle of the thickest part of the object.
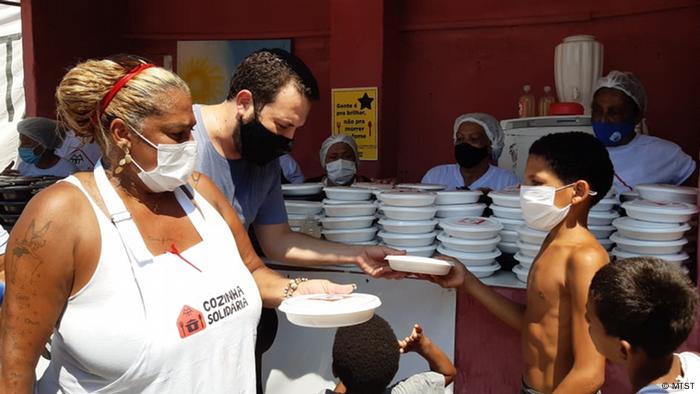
(141, 269)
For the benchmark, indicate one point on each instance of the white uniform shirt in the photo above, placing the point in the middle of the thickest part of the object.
(291, 169)
(4, 237)
(495, 178)
(687, 383)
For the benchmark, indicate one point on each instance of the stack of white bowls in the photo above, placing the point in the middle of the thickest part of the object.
(473, 241)
(409, 221)
(422, 187)
(529, 243)
(349, 216)
(506, 209)
(459, 203)
(602, 214)
(655, 224)
(298, 212)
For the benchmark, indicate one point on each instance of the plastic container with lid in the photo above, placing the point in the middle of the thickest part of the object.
(351, 209)
(527, 249)
(521, 272)
(662, 212)
(346, 193)
(457, 197)
(507, 212)
(509, 224)
(678, 258)
(424, 251)
(648, 247)
(531, 236)
(345, 223)
(330, 310)
(407, 240)
(602, 218)
(606, 204)
(506, 198)
(460, 210)
(470, 259)
(303, 207)
(428, 187)
(525, 261)
(407, 199)
(350, 235)
(663, 192)
(565, 109)
(483, 271)
(408, 226)
(419, 265)
(509, 235)
(408, 213)
(471, 227)
(302, 189)
(296, 220)
(508, 247)
(650, 231)
(469, 245)
(601, 232)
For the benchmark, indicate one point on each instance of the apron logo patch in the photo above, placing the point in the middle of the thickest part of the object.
(190, 321)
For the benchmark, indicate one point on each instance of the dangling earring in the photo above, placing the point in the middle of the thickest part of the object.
(124, 161)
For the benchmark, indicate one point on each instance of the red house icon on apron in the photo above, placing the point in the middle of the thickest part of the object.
(190, 321)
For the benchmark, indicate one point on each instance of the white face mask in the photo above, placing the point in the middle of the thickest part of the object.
(175, 164)
(539, 211)
(340, 171)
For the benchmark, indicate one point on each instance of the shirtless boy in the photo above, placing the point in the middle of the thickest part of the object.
(566, 174)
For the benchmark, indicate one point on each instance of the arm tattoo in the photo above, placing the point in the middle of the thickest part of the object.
(28, 247)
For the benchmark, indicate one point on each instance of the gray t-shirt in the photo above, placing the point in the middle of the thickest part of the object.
(422, 383)
(255, 191)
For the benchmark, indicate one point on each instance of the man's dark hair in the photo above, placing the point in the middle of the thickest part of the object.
(267, 71)
(577, 156)
(366, 356)
(646, 301)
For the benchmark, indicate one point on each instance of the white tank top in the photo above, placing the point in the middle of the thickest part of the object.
(158, 324)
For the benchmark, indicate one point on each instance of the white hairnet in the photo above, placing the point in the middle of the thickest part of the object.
(334, 139)
(627, 83)
(491, 127)
(46, 132)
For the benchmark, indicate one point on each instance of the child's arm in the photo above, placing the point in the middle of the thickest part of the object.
(509, 311)
(588, 371)
(436, 358)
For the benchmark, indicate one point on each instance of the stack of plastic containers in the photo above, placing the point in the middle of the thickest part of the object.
(600, 221)
(349, 216)
(506, 209)
(528, 244)
(409, 221)
(459, 203)
(473, 241)
(303, 208)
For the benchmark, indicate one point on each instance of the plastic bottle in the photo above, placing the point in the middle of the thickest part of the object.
(526, 104)
(545, 101)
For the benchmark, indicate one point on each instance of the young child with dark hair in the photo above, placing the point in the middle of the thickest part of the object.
(566, 174)
(640, 311)
(366, 359)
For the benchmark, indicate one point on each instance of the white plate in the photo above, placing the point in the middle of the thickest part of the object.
(648, 247)
(601, 231)
(506, 198)
(507, 212)
(347, 193)
(397, 240)
(469, 245)
(531, 236)
(525, 261)
(670, 212)
(650, 231)
(458, 197)
(408, 213)
(408, 226)
(296, 220)
(672, 258)
(352, 235)
(407, 199)
(428, 187)
(509, 236)
(606, 204)
(662, 192)
(302, 189)
(419, 265)
(303, 207)
(508, 247)
(521, 272)
(470, 259)
(509, 224)
(471, 227)
(351, 209)
(460, 210)
(346, 223)
(529, 250)
(602, 218)
(327, 311)
(483, 271)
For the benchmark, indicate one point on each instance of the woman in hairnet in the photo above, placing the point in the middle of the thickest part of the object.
(478, 140)
(617, 113)
(38, 140)
(339, 160)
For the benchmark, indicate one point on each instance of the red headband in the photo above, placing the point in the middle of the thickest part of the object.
(120, 84)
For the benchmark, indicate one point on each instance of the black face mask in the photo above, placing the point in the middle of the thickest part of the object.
(468, 155)
(260, 146)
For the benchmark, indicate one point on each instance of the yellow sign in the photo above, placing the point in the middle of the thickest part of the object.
(355, 114)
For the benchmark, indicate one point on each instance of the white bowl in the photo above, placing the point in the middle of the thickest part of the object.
(330, 310)
(525, 261)
(302, 189)
(606, 204)
(346, 223)
(458, 197)
(419, 265)
(423, 251)
(460, 210)
(606, 243)
(483, 271)
(521, 272)
(601, 232)
(303, 207)
(670, 212)
(347, 193)
(407, 199)
(397, 240)
(470, 259)
(471, 227)
(602, 218)
(506, 198)
(508, 247)
(408, 213)
(650, 231)
(428, 187)
(662, 192)
(509, 236)
(648, 247)
(296, 220)
(507, 212)
(351, 235)
(408, 226)
(529, 250)
(351, 209)
(469, 245)
(509, 224)
(531, 236)
(678, 258)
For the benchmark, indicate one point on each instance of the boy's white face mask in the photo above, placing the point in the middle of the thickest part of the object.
(340, 171)
(539, 211)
